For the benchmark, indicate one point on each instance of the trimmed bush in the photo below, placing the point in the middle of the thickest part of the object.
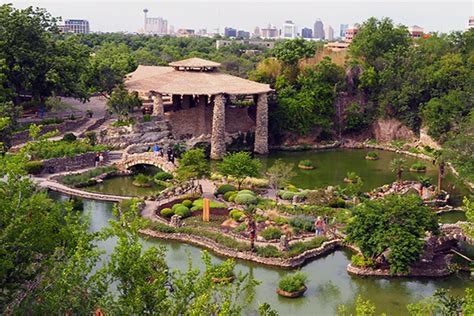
(270, 233)
(287, 195)
(34, 167)
(280, 220)
(418, 167)
(226, 188)
(175, 206)
(167, 212)
(246, 192)
(337, 202)
(268, 252)
(187, 203)
(69, 137)
(302, 223)
(293, 282)
(228, 194)
(245, 198)
(236, 214)
(163, 176)
(182, 211)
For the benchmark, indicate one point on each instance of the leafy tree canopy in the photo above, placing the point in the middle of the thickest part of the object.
(239, 165)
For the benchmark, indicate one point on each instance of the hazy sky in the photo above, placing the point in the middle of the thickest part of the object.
(113, 15)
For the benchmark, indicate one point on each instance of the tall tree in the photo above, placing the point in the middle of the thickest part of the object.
(398, 166)
(122, 102)
(193, 165)
(279, 174)
(239, 165)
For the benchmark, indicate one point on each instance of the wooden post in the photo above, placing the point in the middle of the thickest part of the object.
(205, 210)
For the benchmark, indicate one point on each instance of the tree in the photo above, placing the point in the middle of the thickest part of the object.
(289, 52)
(398, 166)
(250, 212)
(239, 165)
(122, 102)
(441, 158)
(401, 224)
(279, 174)
(193, 165)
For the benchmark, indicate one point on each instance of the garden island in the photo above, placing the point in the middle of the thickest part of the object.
(140, 179)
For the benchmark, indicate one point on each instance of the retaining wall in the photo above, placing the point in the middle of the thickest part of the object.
(86, 160)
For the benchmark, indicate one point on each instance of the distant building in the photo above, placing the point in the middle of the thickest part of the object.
(263, 44)
(342, 30)
(75, 26)
(416, 31)
(288, 30)
(306, 33)
(230, 32)
(471, 22)
(337, 46)
(318, 30)
(351, 32)
(185, 33)
(243, 34)
(155, 26)
(269, 32)
(329, 33)
(256, 32)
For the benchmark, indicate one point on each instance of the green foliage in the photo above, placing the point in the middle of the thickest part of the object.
(84, 177)
(402, 222)
(271, 232)
(193, 165)
(236, 214)
(337, 202)
(147, 118)
(241, 228)
(293, 282)
(398, 166)
(225, 188)
(469, 211)
(268, 252)
(182, 211)
(279, 174)
(301, 224)
(356, 118)
(69, 137)
(167, 212)
(306, 163)
(286, 195)
(299, 247)
(245, 198)
(91, 138)
(372, 154)
(361, 261)
(34, 167)
(291, 51)
(163, 176)
(46, 149)
(187, 203)
(230, 196)
(239, 165)
(197, 205)
(121, 102)
(418, 166)
(142, 180)
(121, 122)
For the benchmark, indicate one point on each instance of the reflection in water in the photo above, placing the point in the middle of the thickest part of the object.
(329, 286)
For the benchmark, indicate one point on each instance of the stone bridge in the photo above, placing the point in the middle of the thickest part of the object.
(147, 158)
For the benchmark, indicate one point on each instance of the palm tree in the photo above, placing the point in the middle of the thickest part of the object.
(398, 166)
(249, 213)
(441, 159)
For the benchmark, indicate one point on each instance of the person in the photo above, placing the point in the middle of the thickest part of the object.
(101, 158)
(172, 159)
(96, 159)
(169, 152)
(318, 225)
(156, 148)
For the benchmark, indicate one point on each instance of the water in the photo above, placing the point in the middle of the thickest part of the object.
(329, 285)
(452, 217)
(333, 165)
(123, 186)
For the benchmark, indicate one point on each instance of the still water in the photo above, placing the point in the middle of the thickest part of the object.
(329, 286)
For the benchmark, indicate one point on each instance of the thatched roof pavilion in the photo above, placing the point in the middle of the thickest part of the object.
(199, 79)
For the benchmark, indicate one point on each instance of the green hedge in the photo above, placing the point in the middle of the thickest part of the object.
(167, 212)
(226, 188)
(270, 233)
(34, 167)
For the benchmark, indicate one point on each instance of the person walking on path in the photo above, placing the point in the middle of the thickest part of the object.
(96, 159)
(169, 152)
(101, 159)
(318, 225)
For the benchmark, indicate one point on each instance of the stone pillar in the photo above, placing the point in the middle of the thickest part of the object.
(218, 128)
(201, 115)
(176, 102)
(261, 128)
(186, 101)
(158, 109)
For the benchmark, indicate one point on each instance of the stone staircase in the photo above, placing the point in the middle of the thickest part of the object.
(115, 157)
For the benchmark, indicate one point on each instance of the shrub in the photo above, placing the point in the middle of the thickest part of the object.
(337, 202)
(197, 205)
(270, 233)
(83, 178)
(280, 220)
(147, 118)
(361, 261)
(142, 180)
(226, 188)
(268, 252)
(306, 164)
(187, 203)
(76, 203)
(175, 206)
(418, 166)
(163, 176)
(34, 167)
(232, 197)
(228, 194)
(167, 212)
(47, 149)
(182, 211)
(287, 195)
(372, 155)
(293, 282)
(246, 192)
(242, 227)
(302, 223)
(162, 228)
(91, 138)
(69, 137)
(299, 247)
(245, 198)
(236, 214)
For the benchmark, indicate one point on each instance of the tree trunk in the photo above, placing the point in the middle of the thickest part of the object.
(252, 233)
(399, 175)
(440, 177)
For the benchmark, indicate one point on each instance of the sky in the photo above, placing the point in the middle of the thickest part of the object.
(127, 16)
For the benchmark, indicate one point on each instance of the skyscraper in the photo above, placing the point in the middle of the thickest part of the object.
(230, 32)
(76, 26)
(329, 33)
(318, 29)
(157, 26)
(306, 33)
(289, 30)
(342, 29)
(269, 32)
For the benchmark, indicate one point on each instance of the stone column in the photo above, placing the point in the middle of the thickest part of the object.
(218, 128)
(261, 128)
(158, 109)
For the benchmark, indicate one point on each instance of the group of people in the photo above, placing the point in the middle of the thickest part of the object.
(99, 159)
(169, 152)
(321, 225)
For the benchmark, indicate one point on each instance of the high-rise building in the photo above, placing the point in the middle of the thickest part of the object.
(342, 29)
(329, 33)
(76, 26)
(351, 32)
(306, 32)
(416, 31)
(256, 32)
(230, 32)
(243, 34)
(288, 30)
(158, 26)
(269, 32)
(471, 22)
(318, 31)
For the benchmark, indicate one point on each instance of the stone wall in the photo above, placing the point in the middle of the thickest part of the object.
(64, 127)
(386, 130)
(78, 162)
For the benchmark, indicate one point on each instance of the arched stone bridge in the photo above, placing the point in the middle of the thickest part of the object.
(147, 158)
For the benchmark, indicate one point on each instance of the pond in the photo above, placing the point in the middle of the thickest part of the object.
(333, 165)
(329, 286)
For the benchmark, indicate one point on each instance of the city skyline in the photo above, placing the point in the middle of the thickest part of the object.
(128, 16)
